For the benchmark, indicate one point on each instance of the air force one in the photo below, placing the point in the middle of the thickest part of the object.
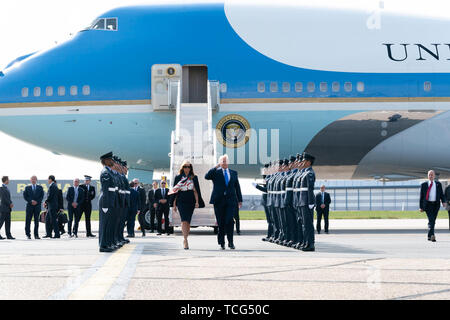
(365, 91)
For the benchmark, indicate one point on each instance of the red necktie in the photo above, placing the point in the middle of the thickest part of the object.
(429, 188)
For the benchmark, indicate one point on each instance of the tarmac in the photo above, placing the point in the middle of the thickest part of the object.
(358, 259)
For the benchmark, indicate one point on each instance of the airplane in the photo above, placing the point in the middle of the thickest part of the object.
(364, 91)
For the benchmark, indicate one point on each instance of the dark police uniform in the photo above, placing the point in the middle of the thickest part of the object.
(263, 189)
(289, 207)
(307, 199)
(298, 228)
(107, 205)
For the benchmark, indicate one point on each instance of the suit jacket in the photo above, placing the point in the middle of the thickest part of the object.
(327, 200)
(142, 198)
(135, 201)
(231, 193)
(60, 200)
(151, 198)
(88, 195)
(70, 196)
(159, 196)
(5, 199)
(37, 195)
(423, 193)
(52, 197)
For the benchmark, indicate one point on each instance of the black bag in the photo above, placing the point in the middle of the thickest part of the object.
(62, 217)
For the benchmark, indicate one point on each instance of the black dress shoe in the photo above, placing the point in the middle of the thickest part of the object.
(127, 241)
(222, 246)
(143, 234)
(10, 238)
(46, 236)
(106, 249)
(130, 236)
(265, 239)
(231, 246)
(1, 238)
(238, 233)
(433, 238)
(91, 235)
(62, 232)
(29, 237)
(318, 232)
(37, 237)
(309, 248)
(158, 234)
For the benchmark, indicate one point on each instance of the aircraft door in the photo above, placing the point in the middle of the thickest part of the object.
(161, 75)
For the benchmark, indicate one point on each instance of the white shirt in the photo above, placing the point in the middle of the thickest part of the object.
(432, 195)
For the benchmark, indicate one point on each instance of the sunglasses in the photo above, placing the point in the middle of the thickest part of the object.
(187, 167)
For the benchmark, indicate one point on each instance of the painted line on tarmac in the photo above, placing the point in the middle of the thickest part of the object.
(98, 285)
(419, 295)
(65, 292)
(119, 288)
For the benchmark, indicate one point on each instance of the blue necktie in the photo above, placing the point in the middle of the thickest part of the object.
(323, 197)
(226, 178)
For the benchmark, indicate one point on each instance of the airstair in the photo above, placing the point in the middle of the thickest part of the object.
(194, 139)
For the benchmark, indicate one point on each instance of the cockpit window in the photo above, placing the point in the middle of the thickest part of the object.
(109, 24)
(98, 25)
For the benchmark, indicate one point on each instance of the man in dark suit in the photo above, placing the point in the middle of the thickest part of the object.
(86, 206)
(74, 197)
(151, 205)
(323, 201)
(142, 204)
(33, 195)
(133, 210)
(52, 208)
(60, 212)
(430, 194)
(6, 206)
(226, 197)
(162, 208)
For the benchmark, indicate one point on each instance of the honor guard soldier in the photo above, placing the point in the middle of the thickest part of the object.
(120, 204)
(127, 200)
(276, 201)
(295, 202)
(281, 196)
(107, 203)
(271, 201)
(307, 202)
(86, 206)
(288, 203)
(263, 188)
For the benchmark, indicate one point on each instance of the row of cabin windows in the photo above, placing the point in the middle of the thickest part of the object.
(61, 91)
(323, 86)
(310, 87)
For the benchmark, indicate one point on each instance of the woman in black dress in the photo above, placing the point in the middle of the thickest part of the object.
(187, 197)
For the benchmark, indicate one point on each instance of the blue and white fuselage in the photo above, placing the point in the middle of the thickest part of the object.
(367, 95)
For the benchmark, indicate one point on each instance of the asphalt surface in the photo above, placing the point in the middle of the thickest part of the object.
(359, 259)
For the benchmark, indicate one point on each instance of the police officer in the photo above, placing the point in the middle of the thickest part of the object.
(86, 206)
(107, 203)
(307, 202)
(120, 204)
